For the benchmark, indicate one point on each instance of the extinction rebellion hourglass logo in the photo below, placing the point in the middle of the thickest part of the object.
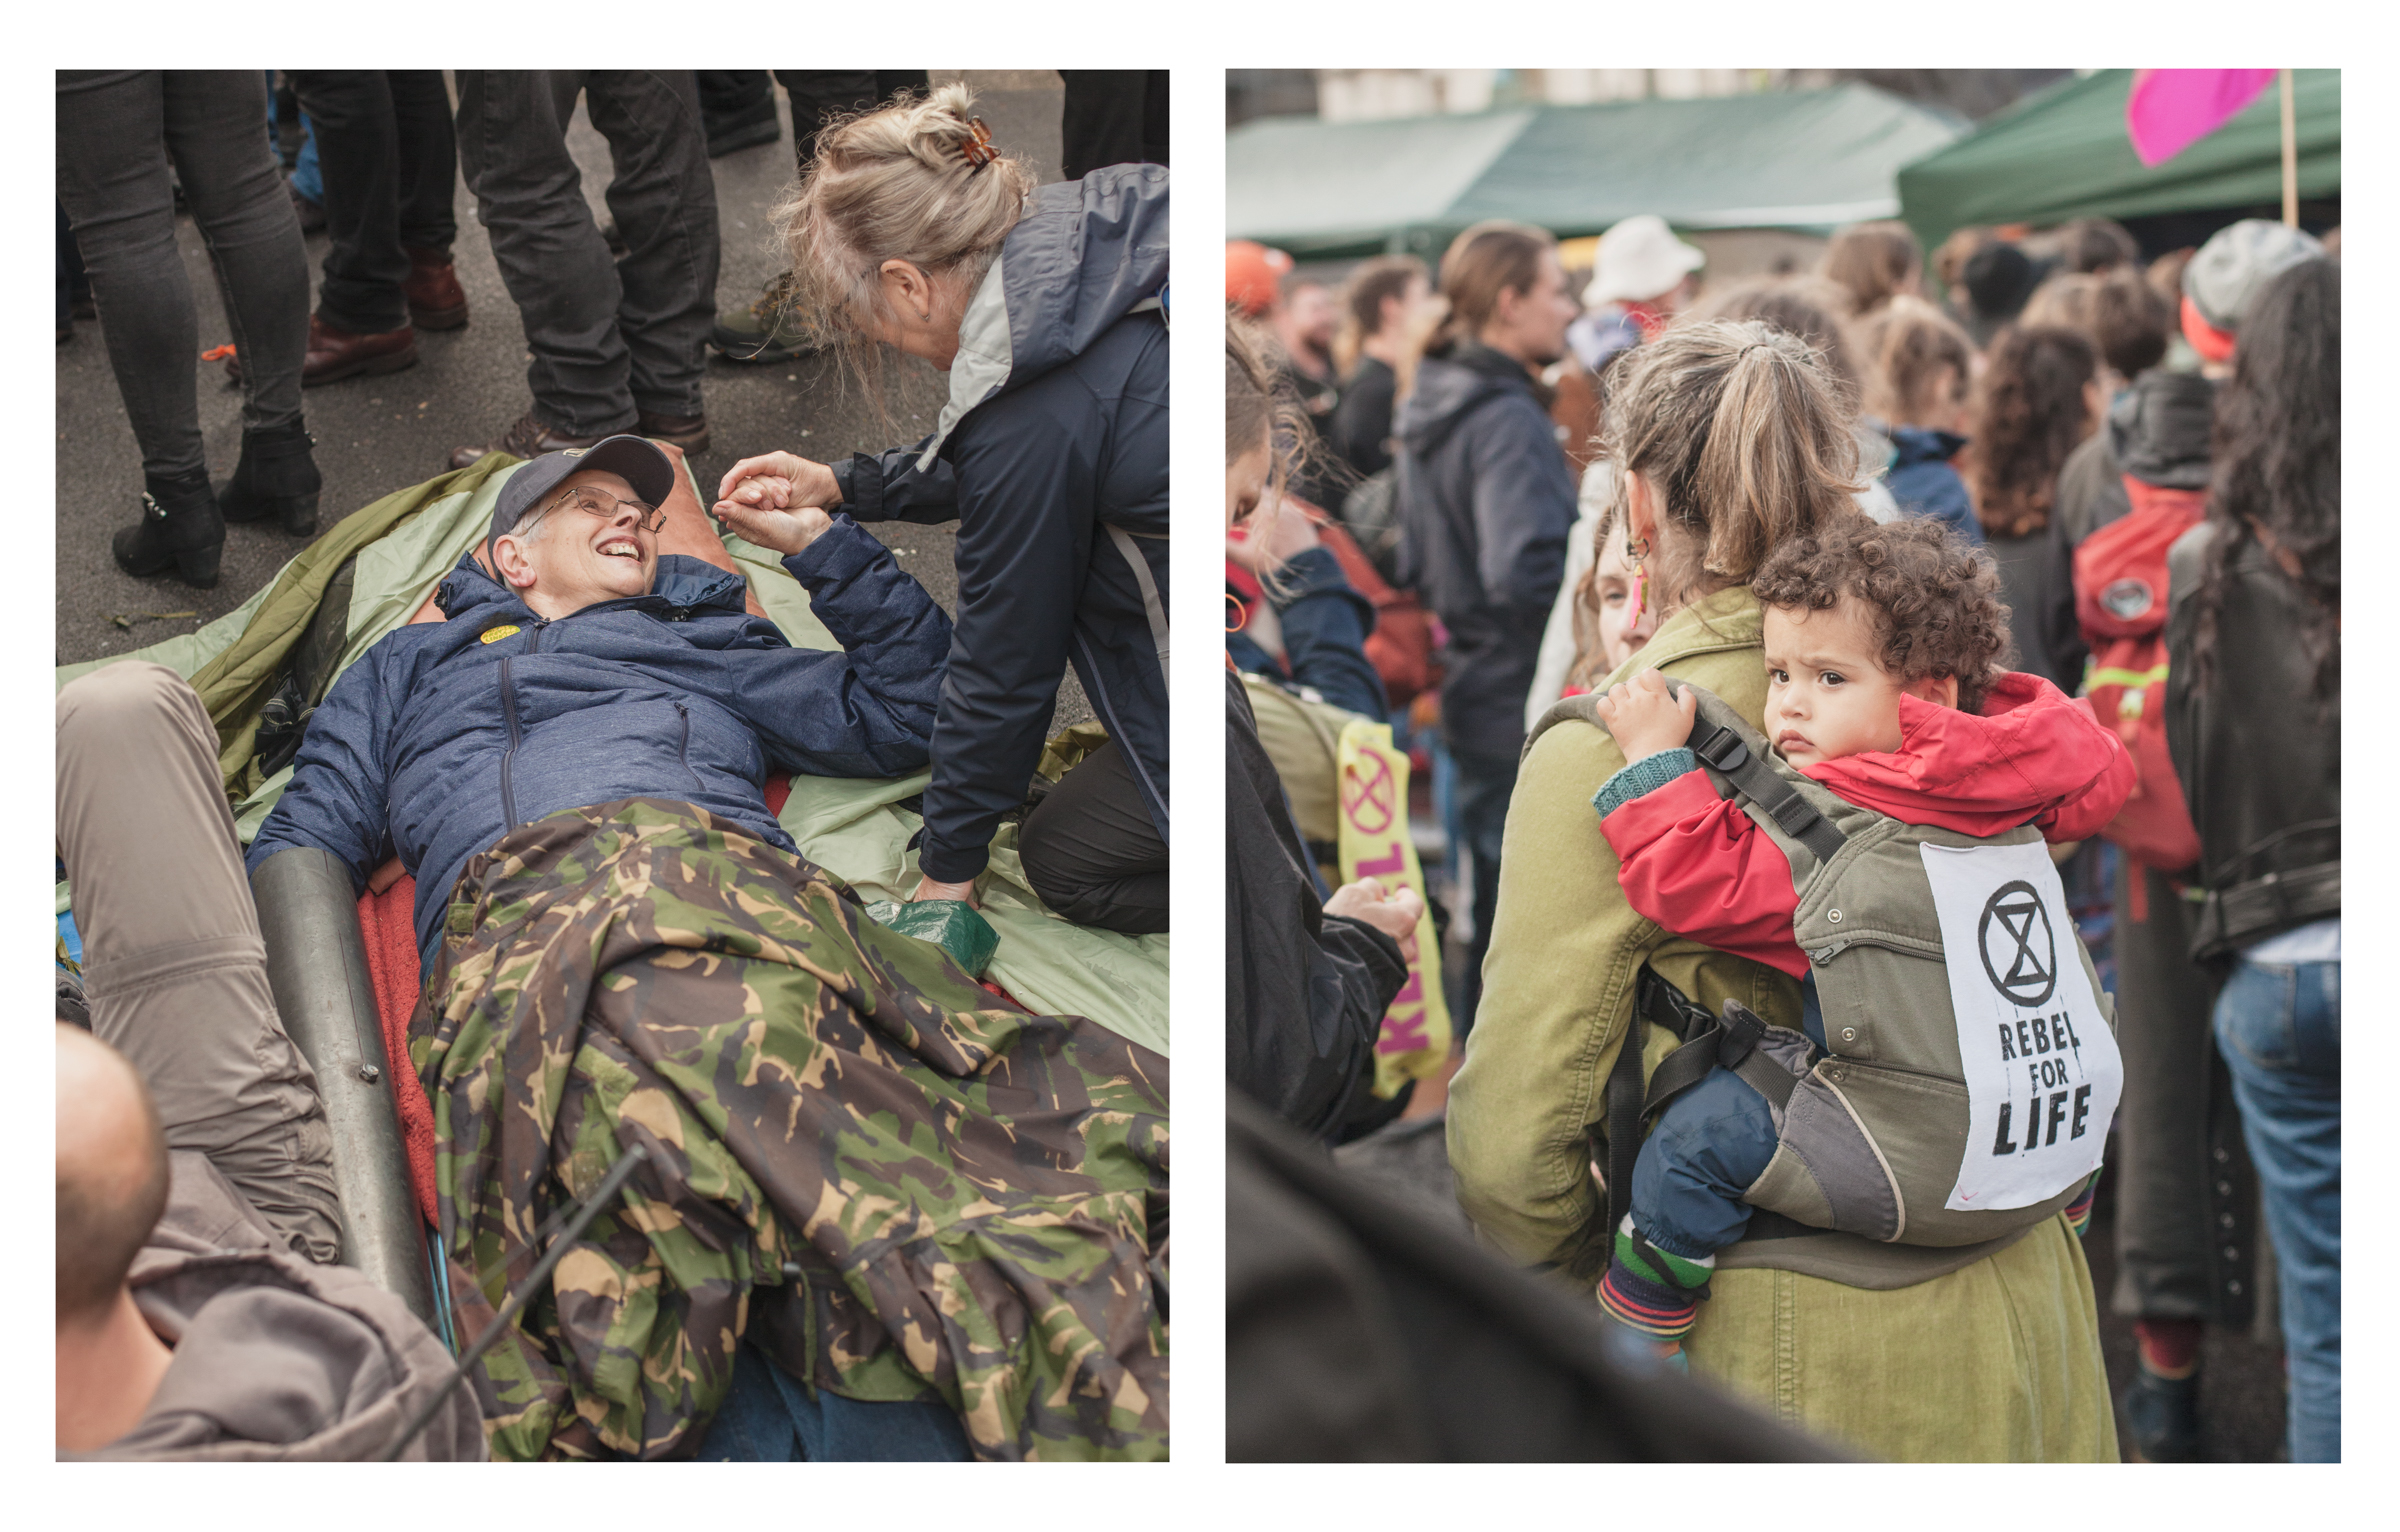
(2020, 951)
(2034, 1046)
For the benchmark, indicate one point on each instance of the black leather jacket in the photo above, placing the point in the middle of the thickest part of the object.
(2258, 752)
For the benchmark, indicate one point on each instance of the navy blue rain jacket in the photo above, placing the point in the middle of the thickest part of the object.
(1486, 502)
(1923, 483)
(1056, 429)
(437, 742)
(1325, 623)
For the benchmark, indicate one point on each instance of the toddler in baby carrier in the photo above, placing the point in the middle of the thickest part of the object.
(1883, 843)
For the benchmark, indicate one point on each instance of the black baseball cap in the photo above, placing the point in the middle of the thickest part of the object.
(631, 458)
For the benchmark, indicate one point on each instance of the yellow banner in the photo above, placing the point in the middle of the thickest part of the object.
(1375, 844)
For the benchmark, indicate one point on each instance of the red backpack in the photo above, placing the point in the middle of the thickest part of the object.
(2121, 605)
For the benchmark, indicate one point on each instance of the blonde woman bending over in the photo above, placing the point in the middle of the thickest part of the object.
(1046, 306)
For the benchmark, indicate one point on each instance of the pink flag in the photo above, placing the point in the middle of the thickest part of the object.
(2169, 110)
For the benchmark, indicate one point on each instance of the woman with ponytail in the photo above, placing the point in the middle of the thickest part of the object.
(1730, 441)
(913, 232)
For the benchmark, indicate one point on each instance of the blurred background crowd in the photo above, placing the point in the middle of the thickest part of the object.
(2035, 330)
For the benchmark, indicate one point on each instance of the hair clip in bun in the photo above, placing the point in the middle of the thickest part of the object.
(977, 148)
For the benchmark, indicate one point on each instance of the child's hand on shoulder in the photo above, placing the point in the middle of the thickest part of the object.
(1647, 716)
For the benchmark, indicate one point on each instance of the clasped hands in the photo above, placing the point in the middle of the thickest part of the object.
(777, 500)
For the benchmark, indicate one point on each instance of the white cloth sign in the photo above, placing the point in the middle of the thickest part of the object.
(2042, 1069)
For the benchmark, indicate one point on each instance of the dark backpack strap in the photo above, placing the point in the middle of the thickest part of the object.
(1755, 780)
(1627, 1107)
(1622, 1103)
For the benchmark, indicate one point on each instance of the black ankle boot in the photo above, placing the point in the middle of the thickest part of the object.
(181, 529)
(277, 477)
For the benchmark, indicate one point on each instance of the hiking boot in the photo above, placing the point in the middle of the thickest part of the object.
(435, 300)
(769, 330)
(335, 354)
(528, 438)
(690, 432)
(276, 477)
(2162, 1417)
(181, 529)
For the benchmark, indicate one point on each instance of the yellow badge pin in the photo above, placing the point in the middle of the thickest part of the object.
(494, 635)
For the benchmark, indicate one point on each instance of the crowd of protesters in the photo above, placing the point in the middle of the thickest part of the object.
(1548, 483)
(909, 231)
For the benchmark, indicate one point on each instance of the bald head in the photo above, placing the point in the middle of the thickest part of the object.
(112, 1172)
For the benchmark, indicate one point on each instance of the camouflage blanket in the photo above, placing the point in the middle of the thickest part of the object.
(896, 1187)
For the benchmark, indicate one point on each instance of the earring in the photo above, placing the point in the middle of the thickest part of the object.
(1641, 580)
(1239, 613)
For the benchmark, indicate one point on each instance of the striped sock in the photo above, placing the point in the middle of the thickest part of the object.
(1651, 1290)
(2079, 1212)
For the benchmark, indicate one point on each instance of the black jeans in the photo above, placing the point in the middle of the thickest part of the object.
(1112, 117)
(820, 95)
(610, 339)
(73, 285)
(390, 159)
(2184, 1186)
(117, 132)
(1485, 784)
(1092, 853)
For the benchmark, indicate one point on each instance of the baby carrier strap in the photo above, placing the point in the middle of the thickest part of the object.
(1707, 1042)
(1720, 746)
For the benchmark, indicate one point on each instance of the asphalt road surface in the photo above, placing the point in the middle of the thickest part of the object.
(376, 435)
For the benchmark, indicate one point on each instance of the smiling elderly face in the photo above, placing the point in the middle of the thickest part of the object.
(561, 559)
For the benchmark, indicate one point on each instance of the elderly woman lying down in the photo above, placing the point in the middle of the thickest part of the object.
(860, 1166)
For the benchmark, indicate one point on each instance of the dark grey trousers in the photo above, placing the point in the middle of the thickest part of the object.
(610, 339)
(118, 131)
(390, 158)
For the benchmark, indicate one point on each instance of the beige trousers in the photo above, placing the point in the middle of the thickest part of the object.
(173, 964)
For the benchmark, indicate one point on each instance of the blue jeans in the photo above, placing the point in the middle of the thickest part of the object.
(768, 1417)
(2280, 1027)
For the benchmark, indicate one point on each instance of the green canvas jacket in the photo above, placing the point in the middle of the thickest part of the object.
(1983, 1354)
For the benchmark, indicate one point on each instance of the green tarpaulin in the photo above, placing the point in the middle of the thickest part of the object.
(1798, 160)
(2065, 154)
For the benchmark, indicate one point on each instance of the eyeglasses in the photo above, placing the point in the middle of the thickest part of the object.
(600, 503)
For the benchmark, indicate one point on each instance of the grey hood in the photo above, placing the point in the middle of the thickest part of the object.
(1086, 254)
(275, 1359)
(2158, 429)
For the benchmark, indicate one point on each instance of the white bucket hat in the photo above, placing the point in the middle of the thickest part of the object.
(1639, 258)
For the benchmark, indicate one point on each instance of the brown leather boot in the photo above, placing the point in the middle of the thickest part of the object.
(528, 438)
(336, 354)
(690, 432)
(435, 300)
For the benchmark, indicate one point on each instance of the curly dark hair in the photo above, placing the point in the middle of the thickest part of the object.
(1936, 600)
(2028, 415)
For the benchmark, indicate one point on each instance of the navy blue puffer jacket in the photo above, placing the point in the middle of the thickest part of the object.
(443, 737)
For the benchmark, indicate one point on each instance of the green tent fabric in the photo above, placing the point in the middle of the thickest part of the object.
(854, 828)
(240, 655)
(2065, 154)
(1794, 159)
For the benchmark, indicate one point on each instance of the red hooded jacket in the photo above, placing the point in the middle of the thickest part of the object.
(1701, 868)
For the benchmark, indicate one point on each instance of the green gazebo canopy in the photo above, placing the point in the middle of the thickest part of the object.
(2065, 154)
(1798, 160)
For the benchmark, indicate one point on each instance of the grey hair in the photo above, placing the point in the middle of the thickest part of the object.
(894, 183)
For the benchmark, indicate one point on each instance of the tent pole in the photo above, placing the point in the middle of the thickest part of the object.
(2291, 157)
